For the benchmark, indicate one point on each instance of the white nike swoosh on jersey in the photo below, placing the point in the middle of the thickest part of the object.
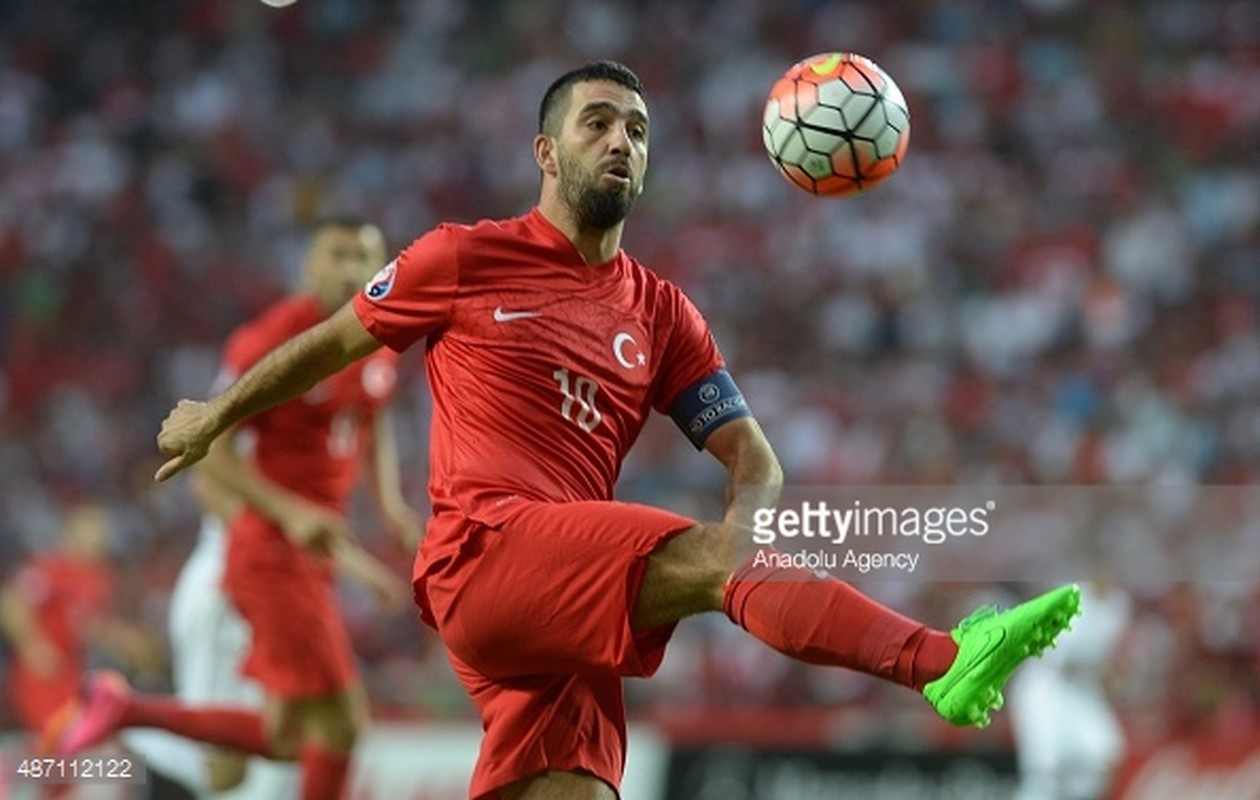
(507, 316)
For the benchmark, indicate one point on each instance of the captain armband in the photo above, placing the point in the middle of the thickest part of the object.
(707, 405)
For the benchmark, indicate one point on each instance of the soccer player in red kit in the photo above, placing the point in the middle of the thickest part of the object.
(293, 469)
(546, 348)
(57, 607)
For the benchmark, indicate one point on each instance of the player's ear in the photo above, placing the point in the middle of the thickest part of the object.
(545, 153)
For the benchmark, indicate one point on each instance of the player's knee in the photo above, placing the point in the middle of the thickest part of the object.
(283, 726)
(332, 722)
(554, 785)
(225, 771)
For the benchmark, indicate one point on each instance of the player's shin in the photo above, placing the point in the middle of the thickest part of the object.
(235, 729)
(824, 621)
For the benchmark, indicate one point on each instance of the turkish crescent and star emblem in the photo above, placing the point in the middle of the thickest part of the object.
(627, 351)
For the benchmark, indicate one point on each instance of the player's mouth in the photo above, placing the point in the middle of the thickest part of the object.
(619, 172)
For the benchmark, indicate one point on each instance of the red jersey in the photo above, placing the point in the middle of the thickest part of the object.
(543, 369)
(311, 445)
(67, 596)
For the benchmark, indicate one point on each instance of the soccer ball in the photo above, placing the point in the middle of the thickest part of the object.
(836, 125)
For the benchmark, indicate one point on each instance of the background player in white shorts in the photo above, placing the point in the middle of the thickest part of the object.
(1067, 737)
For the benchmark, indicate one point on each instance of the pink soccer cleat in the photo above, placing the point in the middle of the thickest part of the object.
(91, 719)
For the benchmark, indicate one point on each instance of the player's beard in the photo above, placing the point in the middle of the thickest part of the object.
(594, 206)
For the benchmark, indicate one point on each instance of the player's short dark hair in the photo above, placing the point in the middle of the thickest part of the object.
(556, 99)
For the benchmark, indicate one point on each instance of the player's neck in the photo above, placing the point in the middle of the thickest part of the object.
(596, 246)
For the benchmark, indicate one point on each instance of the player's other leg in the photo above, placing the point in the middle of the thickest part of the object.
(713, 567)
(535, 617)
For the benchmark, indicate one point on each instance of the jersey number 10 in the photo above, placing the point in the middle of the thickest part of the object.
(579, 399)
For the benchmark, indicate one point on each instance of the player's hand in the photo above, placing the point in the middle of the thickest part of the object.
(185, 437)
(315, 528)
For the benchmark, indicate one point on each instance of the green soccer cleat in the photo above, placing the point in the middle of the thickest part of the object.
(991, 644)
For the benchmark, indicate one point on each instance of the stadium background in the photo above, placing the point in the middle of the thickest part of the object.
(1059, 287)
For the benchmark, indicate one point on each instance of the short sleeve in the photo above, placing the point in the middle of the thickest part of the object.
(412, 296)
(690, 351)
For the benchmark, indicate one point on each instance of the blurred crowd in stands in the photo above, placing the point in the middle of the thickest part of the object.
(1059, 286)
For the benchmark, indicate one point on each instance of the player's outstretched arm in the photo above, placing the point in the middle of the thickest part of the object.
(286, 372)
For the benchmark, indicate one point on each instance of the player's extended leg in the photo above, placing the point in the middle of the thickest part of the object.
(828, 622)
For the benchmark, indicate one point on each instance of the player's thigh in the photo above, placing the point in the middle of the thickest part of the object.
(552, 591)
(555, 785)
(537, 723)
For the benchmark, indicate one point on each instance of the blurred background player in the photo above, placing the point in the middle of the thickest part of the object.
(284, 479)
(57, 613)
(1068, 739)
(58, 610)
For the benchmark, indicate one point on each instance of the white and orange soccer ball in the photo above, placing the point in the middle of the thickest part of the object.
(836, 124)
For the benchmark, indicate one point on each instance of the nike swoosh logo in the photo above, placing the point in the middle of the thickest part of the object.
(993, 641)
(507, 316)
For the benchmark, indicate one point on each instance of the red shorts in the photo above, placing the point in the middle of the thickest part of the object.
(535, 616)
(299, 645)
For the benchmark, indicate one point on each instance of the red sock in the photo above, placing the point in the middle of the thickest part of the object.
(324, 773)
(231, 728)
(927, 656)
(828, 622)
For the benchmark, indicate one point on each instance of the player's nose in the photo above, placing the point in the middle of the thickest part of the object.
(619, 135)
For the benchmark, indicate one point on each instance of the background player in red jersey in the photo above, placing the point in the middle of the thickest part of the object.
(290, 472)
(547, 346)
(55, 609)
